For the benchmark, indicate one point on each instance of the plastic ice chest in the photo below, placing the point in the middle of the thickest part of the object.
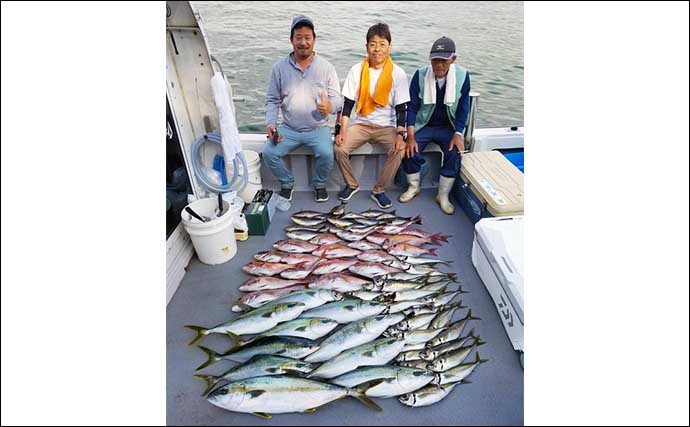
(497, 255)
(489, 186)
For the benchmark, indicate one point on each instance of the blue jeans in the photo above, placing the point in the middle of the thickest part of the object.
(441, 136)
(318, 140)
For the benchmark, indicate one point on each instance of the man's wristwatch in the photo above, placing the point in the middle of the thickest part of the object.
(403, 134)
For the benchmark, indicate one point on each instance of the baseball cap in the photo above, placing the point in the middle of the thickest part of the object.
(443, 48)
(301, 18)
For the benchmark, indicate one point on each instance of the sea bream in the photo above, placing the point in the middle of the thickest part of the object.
(263, 396)
(336, 265)
(325, 239)
(258, 268)
(335, 250)
(372, 269)
(256, 299)
(266, 282)
(400, 249)
(340, 282)
(294, 246)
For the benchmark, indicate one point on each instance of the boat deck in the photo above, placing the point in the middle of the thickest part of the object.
(494, 397)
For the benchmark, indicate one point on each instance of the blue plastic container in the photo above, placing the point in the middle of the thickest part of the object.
(516, 157)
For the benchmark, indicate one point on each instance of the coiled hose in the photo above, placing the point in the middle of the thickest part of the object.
(198, 167)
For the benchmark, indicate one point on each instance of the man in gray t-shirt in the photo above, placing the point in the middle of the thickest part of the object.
(306, 89)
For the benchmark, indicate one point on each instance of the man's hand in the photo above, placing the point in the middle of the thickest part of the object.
(340, 138)
(411, 146)
(399, 145)
(271, 131)
(325, 105)
(457, 141)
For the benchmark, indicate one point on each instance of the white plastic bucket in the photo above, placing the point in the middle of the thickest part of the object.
(253, 177)
(214, 241)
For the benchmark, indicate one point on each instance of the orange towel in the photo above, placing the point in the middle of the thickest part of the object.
(365, 102)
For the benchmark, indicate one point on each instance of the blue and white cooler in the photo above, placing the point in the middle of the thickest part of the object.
(489, 186)
(497, 256)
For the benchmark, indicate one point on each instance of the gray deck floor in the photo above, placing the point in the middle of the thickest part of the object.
(495, 396)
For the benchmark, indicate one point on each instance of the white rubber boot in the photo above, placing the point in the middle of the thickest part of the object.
(445, 184)
(413, 189)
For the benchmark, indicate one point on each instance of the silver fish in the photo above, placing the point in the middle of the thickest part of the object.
(421, 336)
(311, 298)
(368, 222)
(458, 373)
(421, 261)
(428, 395)
(313, 328)
(420, 309)
(338, 210)
(411, 347)
(410, 356)
(294, 246)
(365, 295)
(421, 321)
(442, 299)
(397, 307)
(392, 285)
(452, 359)
(295, 348)
(309, 222)
(418, 364)
(444, 317)
(352, 335)
(352, 215)
(434, 353)
(346, 311)
(263, 396)
(256, 367)
(375, 353)
(309, 214)
(301, 235)
(397, 380)
(254, 322)
(412, 294)
(317, 228)
(377, 238)
(453, 331)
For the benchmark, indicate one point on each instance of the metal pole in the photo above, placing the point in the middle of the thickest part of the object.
(469, 131)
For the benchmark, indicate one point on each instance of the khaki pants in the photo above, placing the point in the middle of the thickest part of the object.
(359, 134)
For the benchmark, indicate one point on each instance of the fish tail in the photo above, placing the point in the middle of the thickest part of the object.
(417, 220)
(432, 251)
(479, 361)
(200, 333)
(236, 342)
(211, 381)
(359, 393)
(213, 357)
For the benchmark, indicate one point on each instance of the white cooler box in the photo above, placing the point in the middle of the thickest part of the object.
(497, 255)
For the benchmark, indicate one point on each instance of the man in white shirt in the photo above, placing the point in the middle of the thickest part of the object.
(378, 92)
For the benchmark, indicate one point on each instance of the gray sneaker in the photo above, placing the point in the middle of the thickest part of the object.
(286, 193)
(321, 195)
(382, 200)
(347, 193)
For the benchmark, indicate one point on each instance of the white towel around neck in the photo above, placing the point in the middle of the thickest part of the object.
(430, 86)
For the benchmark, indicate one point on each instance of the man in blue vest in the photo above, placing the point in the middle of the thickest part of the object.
(437, 112)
